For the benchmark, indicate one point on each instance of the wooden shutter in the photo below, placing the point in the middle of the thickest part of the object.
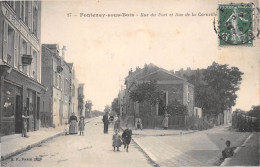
(20, 54)
(16, 46)
(5, 42)
(38, 67)
(28, 52)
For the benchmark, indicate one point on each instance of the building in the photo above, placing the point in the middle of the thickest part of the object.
(81, 103)
(174, 88)
(121, 102)
(20, 65)
(57, 77)
(74, 90)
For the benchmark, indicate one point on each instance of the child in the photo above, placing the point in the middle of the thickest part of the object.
(228, 151)
(116, 140)
(127, 137)
(81, 126)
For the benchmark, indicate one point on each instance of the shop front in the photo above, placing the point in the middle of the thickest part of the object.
(20, 96)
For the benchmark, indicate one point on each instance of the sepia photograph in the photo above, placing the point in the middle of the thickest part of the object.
(112, 83)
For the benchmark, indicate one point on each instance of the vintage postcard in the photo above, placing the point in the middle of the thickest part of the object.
(129, 83)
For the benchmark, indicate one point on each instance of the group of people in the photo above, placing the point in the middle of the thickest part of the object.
(75, 126)
(118, 140)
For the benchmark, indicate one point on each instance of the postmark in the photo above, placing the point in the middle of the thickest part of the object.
(235, 24)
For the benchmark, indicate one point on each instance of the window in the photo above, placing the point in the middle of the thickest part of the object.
(59, 81)
(55, 79)
(24, 52)
(35, 20)
(22, 10)
(33, 65)
(11, 4)
(73, 90)
(10, 46)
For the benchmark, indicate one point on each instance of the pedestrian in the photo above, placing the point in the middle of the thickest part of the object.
(105, 121)
(117, 140)
(228, 151)
(165, 121)
(24, 128)
(117, 125)
(73, 129)
(81, 126)
(139, 124)
(127, 135)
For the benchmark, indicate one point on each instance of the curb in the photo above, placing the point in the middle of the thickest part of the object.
(174, 134)
(149, 156)
(226, 161)
(7, 156)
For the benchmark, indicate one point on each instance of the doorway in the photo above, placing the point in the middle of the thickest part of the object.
(18, 115)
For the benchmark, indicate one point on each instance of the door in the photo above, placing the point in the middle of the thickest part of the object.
(27, 112)
(18, 114)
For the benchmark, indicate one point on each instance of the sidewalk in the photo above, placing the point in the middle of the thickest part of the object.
(14, 144)
(166, 148)
(247, 154)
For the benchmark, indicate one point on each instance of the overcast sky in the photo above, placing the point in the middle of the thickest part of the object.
(104, 49)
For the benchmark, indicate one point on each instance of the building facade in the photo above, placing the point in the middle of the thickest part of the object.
(174, 88)
(74, 90)
(20, 65)
(56, 76)
(81, 102)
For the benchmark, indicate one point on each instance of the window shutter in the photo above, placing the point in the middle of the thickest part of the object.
(28, 52)
(16, 45)
(20, 54)
(5, 42)
(29, 14)
(38, 67)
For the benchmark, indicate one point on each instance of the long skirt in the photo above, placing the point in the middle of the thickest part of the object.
(165, 122)
(73, 127)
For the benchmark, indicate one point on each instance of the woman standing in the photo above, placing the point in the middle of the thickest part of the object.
(165, 122)
(73, 129)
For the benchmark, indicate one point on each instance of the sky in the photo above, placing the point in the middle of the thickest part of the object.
(104, 49)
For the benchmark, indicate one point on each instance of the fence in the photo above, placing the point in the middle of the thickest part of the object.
(244, 123)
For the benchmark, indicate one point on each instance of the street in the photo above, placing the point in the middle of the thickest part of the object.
(93, 149)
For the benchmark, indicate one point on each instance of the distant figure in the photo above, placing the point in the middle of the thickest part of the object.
(111, 119)
(117, 140)
(73, 129)
(228, 151)
(127, 135)
(165, 121)
(117, 125)
(139, 124)
(81, 126)
(105, 121)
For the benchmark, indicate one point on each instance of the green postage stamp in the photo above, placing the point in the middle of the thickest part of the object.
(235, 24)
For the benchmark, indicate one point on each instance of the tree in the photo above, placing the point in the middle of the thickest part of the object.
(222, 83)
(107, 108)
(146, 91)
(254, 112)
(115, 106)
(177, 108)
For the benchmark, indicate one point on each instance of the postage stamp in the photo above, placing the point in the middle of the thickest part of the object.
(235, 24)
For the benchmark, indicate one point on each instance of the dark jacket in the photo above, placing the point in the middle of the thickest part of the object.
(105, 119)
(73, 117)
(127, 134)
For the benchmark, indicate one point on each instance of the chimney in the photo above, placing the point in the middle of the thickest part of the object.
(63, 51)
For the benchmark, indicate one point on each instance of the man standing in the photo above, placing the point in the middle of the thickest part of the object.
(105, 121)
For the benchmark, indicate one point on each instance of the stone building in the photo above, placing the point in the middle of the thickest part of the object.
(174, 88)
(74, 90)
(56, 76)
(20, 65)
